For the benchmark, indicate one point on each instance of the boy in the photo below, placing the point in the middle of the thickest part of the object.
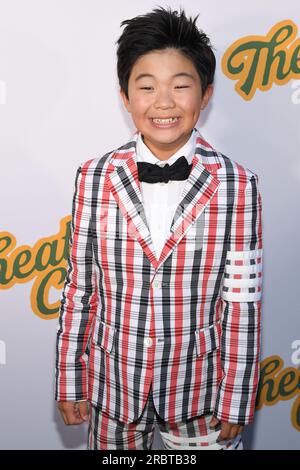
(160, 311)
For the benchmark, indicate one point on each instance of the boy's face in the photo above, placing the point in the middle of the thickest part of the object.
(169, 88)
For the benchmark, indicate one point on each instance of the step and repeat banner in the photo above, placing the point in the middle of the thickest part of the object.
(60, 106)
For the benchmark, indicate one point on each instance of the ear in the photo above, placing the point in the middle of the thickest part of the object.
(207, 95)
(125, 100)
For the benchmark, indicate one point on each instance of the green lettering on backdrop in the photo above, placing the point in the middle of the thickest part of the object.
(45, 262)
(257, 62)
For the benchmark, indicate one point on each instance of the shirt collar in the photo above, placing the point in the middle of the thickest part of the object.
(144, 154)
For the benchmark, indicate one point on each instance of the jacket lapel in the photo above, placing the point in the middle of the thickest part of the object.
(126, 189)
(201, 185)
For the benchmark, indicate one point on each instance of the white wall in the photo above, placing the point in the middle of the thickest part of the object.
(59, 106)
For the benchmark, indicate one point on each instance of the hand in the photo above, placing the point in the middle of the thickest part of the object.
(74, 412)
(228, 430)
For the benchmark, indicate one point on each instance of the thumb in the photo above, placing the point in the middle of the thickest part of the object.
(83, 410)
(213, 422)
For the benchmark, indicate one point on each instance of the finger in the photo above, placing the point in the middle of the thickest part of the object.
(76, 410)
(76, 417)
(224, 433)
(233, 432)
(63, 416)
(213, 422)
(73, 418)
(72, 414)
(83, 410)
(62, 412)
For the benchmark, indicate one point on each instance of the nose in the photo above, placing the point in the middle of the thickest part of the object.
(164, 100)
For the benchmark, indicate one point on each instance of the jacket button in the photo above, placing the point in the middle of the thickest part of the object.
(148, 342)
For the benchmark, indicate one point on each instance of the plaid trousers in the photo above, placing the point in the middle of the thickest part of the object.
(106, 433)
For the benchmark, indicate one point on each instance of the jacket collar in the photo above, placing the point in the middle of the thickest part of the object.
(144, 154)
(201, 185)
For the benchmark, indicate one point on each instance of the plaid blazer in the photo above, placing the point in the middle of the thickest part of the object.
(189, 322)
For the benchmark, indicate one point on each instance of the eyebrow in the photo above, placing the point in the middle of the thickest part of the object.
(180, 74)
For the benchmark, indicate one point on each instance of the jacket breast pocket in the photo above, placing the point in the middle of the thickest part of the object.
(104, 336)
(208, 339)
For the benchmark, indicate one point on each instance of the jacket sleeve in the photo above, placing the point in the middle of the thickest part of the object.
(241, 291)
(78, 299)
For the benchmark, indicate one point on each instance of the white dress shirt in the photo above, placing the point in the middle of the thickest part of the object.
(160, 200)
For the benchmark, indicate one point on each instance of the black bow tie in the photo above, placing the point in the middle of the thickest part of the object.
(152, 173)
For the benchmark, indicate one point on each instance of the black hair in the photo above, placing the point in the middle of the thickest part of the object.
(160, 29)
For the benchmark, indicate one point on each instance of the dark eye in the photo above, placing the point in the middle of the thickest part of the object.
(183, 86)
(146, 88)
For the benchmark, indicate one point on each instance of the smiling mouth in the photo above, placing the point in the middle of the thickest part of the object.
(165, 120)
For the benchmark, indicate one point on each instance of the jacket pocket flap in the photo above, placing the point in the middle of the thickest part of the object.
(104, 336)
(207, 339)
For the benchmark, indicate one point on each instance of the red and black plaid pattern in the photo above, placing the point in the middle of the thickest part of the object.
(106, 433)
(189, 322)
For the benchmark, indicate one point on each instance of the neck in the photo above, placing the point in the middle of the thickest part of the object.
(164, 152)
